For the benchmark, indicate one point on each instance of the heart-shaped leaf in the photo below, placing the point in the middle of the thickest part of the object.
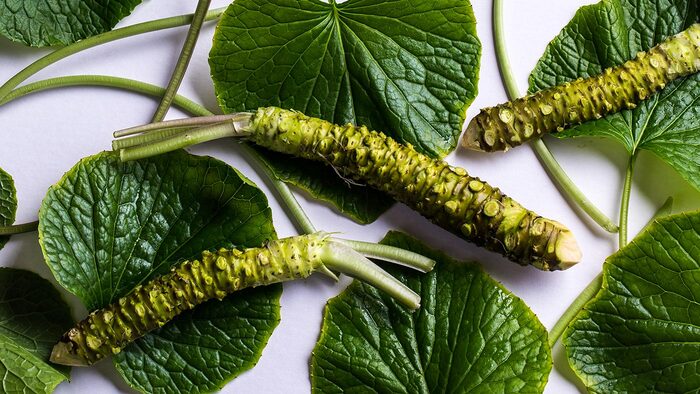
(107, 226)
(405, 67)
(32, 317)
(46, 22)
(470, 335)
(640, 333)
(8, 203)
(609, 33)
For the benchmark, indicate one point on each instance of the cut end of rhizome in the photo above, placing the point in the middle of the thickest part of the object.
(62, 354)
(567, 250)
(472, 138)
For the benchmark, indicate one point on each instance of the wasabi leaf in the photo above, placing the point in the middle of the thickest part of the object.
(107, 226)
(45, 22)
(8, 203)
(32, 316)
(640, 333)
(408, 68)
(470, 335)
(609, 33)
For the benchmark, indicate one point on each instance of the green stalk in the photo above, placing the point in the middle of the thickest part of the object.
(289, 201)
(183, 61)
(129, 31)
(565, 185)
(570, 313)
(391, 254)
(19, 228)
(625, 200)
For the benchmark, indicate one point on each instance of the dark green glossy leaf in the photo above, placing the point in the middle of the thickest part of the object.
(361, 203)
(405, 67)
(8, 203)
(48, 22)
(32, 317)
(107, 226)
(470, 335)
(609, 33)
(641, 333)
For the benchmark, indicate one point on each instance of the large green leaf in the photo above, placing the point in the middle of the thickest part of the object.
(641, 333)
(609, 33)
(470, 335)
(51, 22)
(32, 317)
(107, 226)
(406, 67)
(8, 203)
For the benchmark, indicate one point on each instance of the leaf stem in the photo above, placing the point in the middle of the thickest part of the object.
(19, 228)
(183, 60)
(116, 34)
(570, 313)
(391, 254)
(565, 185)
(291, 204)
(625, 200)
(343, 259)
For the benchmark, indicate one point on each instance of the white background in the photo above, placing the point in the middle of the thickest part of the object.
(44, 135)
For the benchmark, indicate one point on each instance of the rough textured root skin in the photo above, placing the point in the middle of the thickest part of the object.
(106, 331)
(447, 195)
(617, 88)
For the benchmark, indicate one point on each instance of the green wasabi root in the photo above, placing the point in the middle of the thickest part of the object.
(617, 88)
(467, 206)
(464, 205)
(217, 274)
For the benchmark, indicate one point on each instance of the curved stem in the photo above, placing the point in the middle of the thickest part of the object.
(145, 27)
(625, 200)
(183, 61)
(19, 228)
(565, 185)
(391, 254)
(292, 205)
(570, 313)
(302, 221)
(343, 259)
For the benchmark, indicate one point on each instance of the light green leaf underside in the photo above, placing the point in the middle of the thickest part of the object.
(8, 203)
(23, 372)
(107, 226)
(609, 33)
(405, 67)
(641, 333)
(470, 335)
(32, 318)
(49, 22)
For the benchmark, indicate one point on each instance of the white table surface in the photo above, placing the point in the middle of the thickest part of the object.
(44, 135)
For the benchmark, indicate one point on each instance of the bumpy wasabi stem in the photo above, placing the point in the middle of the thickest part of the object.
(617, 88)
(447, 195)
(217, 274)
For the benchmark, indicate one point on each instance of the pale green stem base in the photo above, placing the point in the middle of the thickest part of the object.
(19, 228)
(350, 262)
(391, 254)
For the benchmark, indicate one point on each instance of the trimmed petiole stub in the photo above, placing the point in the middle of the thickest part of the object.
(217, 274)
